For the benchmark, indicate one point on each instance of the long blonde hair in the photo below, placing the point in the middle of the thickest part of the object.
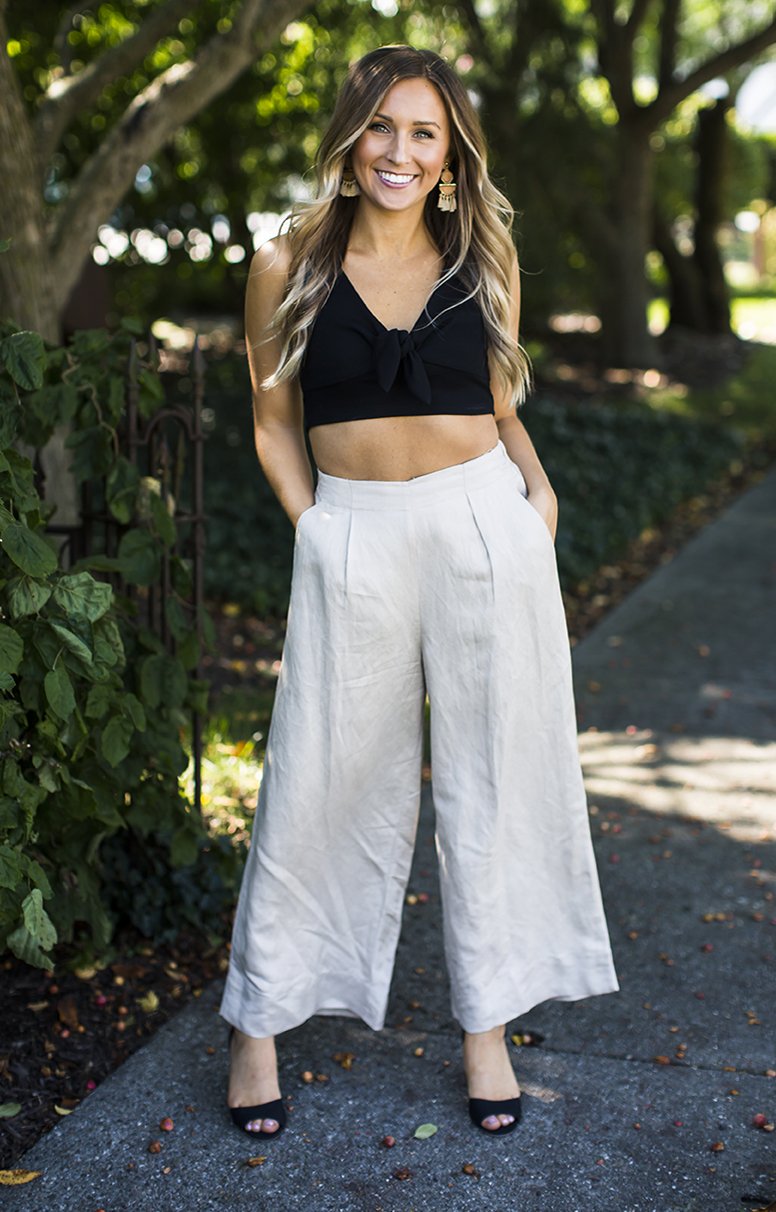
(474, 240)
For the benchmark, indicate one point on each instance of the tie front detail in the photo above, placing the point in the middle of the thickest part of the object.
(354, 367)
(395, 347)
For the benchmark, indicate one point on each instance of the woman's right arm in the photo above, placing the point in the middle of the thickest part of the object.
(277, 411)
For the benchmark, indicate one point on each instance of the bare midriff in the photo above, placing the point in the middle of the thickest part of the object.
(400, 448)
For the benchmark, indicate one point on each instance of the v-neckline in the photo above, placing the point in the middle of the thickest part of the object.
(376, 319)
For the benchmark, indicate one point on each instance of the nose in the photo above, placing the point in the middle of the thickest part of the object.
(398, 151)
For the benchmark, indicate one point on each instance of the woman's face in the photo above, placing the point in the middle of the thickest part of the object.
(399, 157)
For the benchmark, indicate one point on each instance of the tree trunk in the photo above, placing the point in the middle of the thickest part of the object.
(713, 165)
(685, 291)
(25, 297)
(626, 339)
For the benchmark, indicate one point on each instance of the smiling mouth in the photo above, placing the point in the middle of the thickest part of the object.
(395, 179)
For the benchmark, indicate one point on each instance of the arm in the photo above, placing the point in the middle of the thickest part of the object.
(277, 412)
(514, 435)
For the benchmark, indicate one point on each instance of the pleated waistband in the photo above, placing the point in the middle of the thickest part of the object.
(485, 469)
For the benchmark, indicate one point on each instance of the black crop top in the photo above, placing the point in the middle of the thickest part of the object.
(354, 367)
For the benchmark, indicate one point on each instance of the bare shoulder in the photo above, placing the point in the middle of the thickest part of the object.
(271, 261)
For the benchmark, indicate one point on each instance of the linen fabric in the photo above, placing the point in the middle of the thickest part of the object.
(444, 584)
(354, 367)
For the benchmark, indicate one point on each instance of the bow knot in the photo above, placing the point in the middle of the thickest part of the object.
(395, 348)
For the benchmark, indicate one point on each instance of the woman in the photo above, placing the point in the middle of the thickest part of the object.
(385, 323)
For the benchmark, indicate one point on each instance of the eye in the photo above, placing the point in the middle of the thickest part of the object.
(425, 132)
(375, 125)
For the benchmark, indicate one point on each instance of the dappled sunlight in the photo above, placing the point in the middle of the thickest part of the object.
(727, 782)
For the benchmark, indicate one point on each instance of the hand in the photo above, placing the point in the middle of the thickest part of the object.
(545, 503)
(298, 516)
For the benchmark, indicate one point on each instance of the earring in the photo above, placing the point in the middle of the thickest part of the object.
(447, 188)
(349, 187)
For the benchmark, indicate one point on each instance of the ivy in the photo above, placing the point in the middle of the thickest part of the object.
(93, 707)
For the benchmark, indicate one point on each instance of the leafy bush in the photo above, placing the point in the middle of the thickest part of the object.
(93, 707)
(618, 468)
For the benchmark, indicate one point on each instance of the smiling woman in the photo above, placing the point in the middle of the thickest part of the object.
(385, 323)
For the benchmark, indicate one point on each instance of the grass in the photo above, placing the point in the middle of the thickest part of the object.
(745, 401)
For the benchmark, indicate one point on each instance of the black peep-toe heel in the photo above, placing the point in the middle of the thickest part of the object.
(481, 1108)
(274, 1109)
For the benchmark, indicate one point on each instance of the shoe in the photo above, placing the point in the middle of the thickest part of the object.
(481, 1108)
(274, 1109)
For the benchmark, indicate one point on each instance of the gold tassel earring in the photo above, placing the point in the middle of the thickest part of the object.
(349, 187)
(447, 188)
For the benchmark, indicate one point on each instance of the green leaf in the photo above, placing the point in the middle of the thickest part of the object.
(27, 596)
(102, 697)
(133, 708)
(188, 651)
(183, 847)
(11, 649)
(115, 739)
(108, 646)
(182, 578)
(164, 524)
(72, 642)
(59, 692)
(24, 356)
(424, 1131)
(199, 690)
(10, 419)
(92, 451)
(79, 593)
(163, 679)
(11, 868)
(9, 1109)
(24, 947)
(28, 550)
(98, 563)
(139, 554)
(38, 876)
(177, 620)
(121, 487)
(152, 679)
(37, 920)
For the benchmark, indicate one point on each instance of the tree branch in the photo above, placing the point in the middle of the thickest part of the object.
(669, 38)
(61, 47)
(615, 54)
(637, 15)
(68, 94)
(477, 30)
(168, 102)
(671, 94)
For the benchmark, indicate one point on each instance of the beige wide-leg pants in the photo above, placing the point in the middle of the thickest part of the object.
(446, 583)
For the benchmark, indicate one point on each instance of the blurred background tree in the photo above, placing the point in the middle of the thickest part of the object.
(148, 146)
(147, 140)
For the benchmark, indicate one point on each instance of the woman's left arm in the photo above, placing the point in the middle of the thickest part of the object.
(514, 435)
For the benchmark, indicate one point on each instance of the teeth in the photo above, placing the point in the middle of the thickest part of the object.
(396, 178)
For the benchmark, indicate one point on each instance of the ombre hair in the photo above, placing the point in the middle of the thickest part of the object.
(474, 240)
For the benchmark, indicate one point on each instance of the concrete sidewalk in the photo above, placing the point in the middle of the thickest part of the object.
(676, 692)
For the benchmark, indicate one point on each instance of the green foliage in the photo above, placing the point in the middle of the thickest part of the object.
(618, 468)
(93, 708)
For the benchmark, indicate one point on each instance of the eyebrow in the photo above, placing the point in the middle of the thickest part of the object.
(416, 123)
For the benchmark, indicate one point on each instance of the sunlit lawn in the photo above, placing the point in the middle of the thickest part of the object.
(746, 400)
(234, 742)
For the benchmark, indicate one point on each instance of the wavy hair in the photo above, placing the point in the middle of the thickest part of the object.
(474, 240)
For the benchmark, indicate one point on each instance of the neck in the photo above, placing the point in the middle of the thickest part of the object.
(389, 236)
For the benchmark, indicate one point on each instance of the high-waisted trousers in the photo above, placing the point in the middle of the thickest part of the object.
(444, 585)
